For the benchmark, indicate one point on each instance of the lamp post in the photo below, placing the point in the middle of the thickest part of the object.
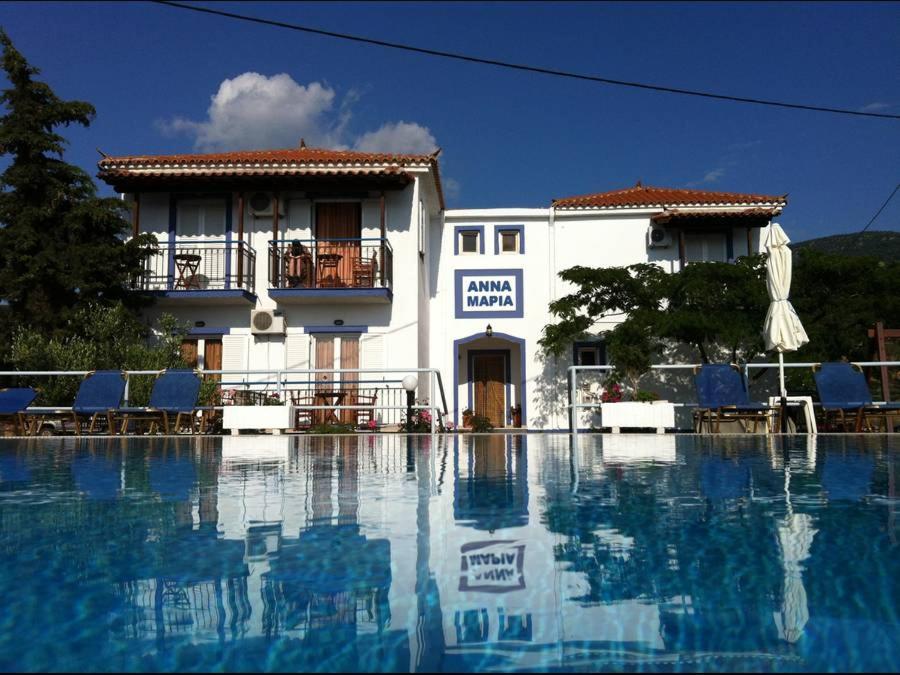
(489, 331)
(410, 383)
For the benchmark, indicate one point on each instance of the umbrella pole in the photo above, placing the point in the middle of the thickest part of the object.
(783, 392)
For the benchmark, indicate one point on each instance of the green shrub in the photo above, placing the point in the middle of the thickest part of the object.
(99, 338)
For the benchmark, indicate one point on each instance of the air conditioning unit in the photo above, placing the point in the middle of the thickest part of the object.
(658, 237)
(266, 322)
(262, 204)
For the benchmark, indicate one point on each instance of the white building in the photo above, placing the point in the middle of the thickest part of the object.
(359, 257)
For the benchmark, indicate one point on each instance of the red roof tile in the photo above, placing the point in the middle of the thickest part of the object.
(647, 196)
(266, 163)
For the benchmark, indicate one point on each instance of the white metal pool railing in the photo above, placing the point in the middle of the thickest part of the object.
(436, 384)
(574, 406)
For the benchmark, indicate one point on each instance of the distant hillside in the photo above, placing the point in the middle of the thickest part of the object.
(880, 244)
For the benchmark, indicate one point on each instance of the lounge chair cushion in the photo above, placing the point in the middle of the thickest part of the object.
(842, 387)
(719, 385)
(175, 391)
(99, 392)
(15, 400)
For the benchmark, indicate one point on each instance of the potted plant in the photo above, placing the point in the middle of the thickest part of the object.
(631, 348)
(467, 416)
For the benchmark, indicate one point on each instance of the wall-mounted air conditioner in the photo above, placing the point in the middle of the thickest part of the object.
(658, 237)
(262, 204)
(266, 322)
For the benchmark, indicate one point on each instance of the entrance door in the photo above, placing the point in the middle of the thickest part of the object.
(489, 387)
(338, 233)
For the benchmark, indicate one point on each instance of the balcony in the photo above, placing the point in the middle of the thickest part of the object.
(200, 272)
(331, 270)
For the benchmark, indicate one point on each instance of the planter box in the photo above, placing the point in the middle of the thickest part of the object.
(658, 415)
(274, 417)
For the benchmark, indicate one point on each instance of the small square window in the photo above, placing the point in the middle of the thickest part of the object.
(509, 242)
(587, 356)
(469, 242)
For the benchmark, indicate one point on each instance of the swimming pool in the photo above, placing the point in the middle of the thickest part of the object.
(387, 552)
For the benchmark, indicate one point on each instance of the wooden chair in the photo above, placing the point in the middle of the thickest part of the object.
(365, 271)
(367, 415)
(303, 416)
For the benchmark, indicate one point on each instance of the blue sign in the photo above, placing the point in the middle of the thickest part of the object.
(488, 294)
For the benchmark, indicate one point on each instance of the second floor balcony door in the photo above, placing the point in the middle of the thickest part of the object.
(337, 221)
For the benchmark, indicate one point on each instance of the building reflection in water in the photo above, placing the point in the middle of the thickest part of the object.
(357, 553)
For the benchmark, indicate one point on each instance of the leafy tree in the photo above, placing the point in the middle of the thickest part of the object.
(97, 337)
(717, 308)
(61, 246)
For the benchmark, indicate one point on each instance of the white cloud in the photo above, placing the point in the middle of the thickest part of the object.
(402, 137)
(711, 176)
(876, 106)
(253, 111)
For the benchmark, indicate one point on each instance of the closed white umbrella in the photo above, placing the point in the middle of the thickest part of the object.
(782, 330)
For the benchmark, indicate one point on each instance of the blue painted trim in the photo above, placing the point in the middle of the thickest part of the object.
(509, 228)
(523, 391)
(507, 356)
(468, 228)
(220, 294)
(468, 314)
(229, 205)
(173, 219)
(311, 330)
(209, 330)
(276, 293)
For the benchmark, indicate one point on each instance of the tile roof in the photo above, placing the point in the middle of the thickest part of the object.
(292, 161)
(647, 196)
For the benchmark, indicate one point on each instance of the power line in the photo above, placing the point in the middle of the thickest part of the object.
(520, 66)
(877, 213)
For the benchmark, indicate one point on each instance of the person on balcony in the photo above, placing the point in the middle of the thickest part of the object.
(298, 263)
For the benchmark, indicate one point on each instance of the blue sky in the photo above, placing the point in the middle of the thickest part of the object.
(508, 138)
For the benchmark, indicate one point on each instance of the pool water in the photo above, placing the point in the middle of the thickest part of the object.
(395, 553)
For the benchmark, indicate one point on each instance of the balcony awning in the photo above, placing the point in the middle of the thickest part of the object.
(755, 217)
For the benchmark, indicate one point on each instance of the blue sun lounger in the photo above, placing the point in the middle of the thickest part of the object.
(174, 395)
(100, 393)
(13, 404)
(843, 389)
(722, 395)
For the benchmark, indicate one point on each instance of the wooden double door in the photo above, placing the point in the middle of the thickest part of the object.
(338, 234)
(489, 378)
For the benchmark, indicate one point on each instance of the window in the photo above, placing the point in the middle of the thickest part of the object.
(590, 353)
(468, 239)
(509, 239)
(421, 228)
(199, 218)
(469, 242)
(509, 242)
(706, 247)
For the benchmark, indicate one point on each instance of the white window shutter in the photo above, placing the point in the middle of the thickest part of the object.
(234, 357)
(371, 352)
(296, 351)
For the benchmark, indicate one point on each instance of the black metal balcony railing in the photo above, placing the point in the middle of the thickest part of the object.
(199, 266)
(331, 263)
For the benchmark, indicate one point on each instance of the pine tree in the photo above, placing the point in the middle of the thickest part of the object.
(61, 246)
